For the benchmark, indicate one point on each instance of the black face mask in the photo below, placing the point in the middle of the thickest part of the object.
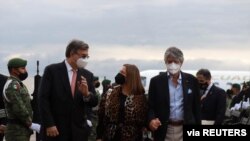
(97, 84)
(23, 76)
(203, 86)
(119, 79)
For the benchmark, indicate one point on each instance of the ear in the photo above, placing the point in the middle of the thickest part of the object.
(71, 53)
(15, 70)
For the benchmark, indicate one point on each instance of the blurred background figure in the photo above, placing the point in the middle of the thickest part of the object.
(106, 84)
(213, 101)
(240, 101)
(94, 117)
(3, 79)
(96, 84)
(229, 93)
(235, 93)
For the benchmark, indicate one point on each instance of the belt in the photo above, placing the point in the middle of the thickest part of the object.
(207, 122)
(175, 122)
(15, 121)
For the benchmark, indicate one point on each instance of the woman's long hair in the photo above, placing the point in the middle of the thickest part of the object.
(133, 79)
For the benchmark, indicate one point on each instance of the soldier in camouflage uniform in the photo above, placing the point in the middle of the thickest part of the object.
(92, 136)
(17, 102)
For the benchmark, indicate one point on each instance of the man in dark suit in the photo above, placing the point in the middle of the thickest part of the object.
(65, 91)
(174, 99)
(213, 101)
(3, 79)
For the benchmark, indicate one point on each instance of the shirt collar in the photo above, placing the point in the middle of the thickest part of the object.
(69, 68)
(179, 79)
(209, 86)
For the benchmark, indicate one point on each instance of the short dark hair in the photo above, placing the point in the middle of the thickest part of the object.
(74, 46)
(236, 85)
(205, 72)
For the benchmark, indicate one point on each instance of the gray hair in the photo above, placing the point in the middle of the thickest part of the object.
(174, 52)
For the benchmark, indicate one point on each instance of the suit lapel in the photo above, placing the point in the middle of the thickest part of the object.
(165, 88)
(185, 92)
(184, 85)
(210, 90)
(64, 77)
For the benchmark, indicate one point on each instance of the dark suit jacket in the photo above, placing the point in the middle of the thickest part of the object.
(58, 107)
(3, 80)
(159, 102)
(213, 106)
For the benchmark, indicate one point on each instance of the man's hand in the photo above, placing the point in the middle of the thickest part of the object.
(154, 124)
(83, 86)
(52, 131)
(2, 128)
(35, 127)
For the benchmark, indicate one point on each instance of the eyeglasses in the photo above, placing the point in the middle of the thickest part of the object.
(172, 61)
(84, 56)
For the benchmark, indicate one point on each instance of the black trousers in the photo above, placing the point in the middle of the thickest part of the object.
(1, 137)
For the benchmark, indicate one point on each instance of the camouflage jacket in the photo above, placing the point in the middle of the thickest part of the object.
(17, 101)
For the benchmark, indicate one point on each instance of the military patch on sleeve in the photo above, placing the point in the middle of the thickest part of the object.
(16, 86)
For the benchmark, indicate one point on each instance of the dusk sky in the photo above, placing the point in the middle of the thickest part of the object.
(213, 34)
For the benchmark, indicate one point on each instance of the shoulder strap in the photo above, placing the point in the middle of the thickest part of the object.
(4, 89)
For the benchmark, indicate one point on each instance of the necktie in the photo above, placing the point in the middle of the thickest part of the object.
(73, 82)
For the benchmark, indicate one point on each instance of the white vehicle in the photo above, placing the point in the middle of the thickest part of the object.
(223, 79)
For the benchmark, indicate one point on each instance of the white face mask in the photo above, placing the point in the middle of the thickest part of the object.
(81, 63)
(173, 68)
